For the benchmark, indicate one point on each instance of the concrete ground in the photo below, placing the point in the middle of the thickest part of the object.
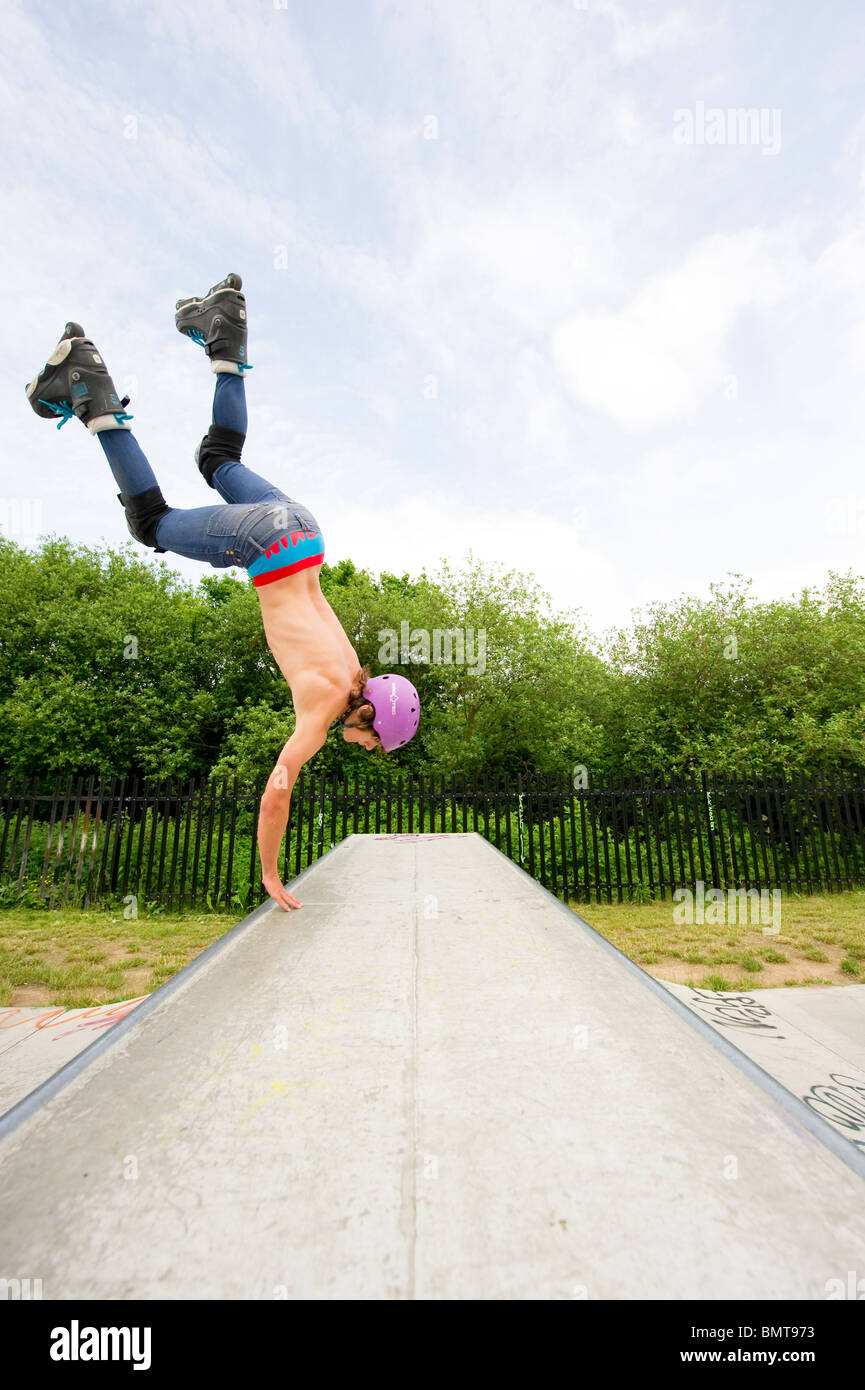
(433, 1082)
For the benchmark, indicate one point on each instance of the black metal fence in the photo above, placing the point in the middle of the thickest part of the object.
(176, 845)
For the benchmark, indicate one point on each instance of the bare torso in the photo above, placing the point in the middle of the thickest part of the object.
(308, 644)
(319, 663)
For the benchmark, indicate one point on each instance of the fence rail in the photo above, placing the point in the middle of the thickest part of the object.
(90, 839)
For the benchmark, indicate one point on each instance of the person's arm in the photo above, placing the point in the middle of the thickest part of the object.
(273, 812)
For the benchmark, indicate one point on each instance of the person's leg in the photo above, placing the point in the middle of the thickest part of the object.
(284, 537)
(75, 382)
(242, 534)
(210, 533)
(219, 452)
(132, 472)
(195, 532)
(140, 493)
(217, 322)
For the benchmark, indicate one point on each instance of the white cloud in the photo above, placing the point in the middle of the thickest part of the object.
(628, 123)
(654, 361)
(418, 531)
(640, 39)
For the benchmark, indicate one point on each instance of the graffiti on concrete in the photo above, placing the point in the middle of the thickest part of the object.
(736, 1011)
(842, 1103)
(59, 1023)
(413, 839)
(840, 1100)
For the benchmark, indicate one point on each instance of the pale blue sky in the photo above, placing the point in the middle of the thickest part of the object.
(551, 333)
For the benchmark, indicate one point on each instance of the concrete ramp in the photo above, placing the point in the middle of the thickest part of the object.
(433, 1082)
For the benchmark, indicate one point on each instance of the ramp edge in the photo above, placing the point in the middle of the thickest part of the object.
(28, 1105)
(815, 1125)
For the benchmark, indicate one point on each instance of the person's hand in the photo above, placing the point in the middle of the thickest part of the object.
(281, 896)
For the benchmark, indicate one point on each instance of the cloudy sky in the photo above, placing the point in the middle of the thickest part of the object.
(520, 279)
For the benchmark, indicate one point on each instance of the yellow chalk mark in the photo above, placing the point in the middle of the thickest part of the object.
(287, 1093)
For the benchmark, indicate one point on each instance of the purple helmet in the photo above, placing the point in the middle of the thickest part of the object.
(397, 709)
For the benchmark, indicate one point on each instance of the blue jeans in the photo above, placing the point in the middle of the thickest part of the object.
(256, 516)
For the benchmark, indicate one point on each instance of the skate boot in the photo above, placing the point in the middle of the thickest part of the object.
(218, 323)
(75, 381)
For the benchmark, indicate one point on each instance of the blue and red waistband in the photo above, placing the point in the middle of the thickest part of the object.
(296, 550)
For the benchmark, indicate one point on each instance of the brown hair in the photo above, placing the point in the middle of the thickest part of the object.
(359, 706)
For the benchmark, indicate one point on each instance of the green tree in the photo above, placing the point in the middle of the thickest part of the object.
(742, 686)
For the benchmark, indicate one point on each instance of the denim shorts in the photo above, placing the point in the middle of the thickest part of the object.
(268, 539)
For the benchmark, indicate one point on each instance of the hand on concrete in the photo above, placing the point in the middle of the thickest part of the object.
(281, 896)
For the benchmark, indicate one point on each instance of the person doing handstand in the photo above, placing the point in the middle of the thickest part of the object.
(274, 538)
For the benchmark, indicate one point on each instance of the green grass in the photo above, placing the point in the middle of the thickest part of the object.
(750, 962)
(77, 958)
(826, 929)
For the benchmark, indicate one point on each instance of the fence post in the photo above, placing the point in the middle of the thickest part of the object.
(520, 815)
(712, 829)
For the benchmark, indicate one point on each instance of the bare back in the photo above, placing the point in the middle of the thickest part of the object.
(309, 645)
